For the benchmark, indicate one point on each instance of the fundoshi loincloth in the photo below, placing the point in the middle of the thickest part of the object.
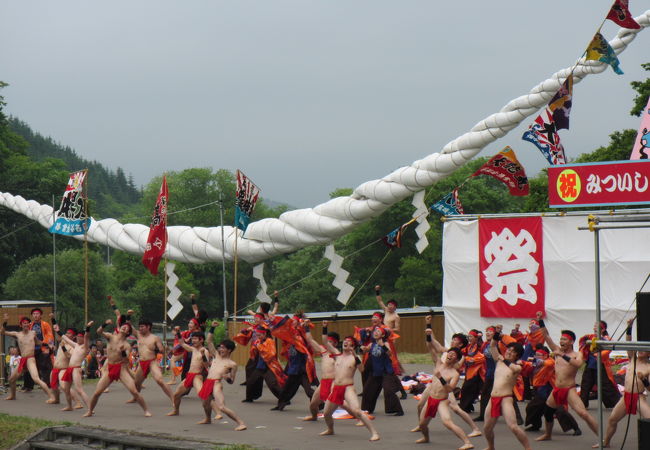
(496, 405)
(561, 396)
(432, 406)
(325, 388)
(114, 371)
(146, 367)
(631, 401)
(337, 396)
(54, 378)
(67, 375)
(208, 387)
(23, 363)
(188, 382)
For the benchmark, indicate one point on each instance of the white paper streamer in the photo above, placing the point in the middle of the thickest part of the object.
(340, 275)
(258, 273)
(174, 292)
(423, 223)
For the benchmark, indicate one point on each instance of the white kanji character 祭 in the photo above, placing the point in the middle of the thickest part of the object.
(512, 270)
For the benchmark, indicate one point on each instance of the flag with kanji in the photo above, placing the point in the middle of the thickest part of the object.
(620, 15)
(641, 149)
(72, 218)
(449, 205)
(157, 239)
(394, 238)
(246, 198)
(505, 167)
(561, 103)
(543, 134)
(600, 50)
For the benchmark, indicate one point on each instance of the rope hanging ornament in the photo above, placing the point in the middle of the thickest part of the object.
(326, 222)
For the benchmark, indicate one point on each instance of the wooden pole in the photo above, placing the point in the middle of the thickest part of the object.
(234, 313)
(165, 319)
(85, 194)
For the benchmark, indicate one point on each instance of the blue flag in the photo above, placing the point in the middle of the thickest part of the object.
(449, 205)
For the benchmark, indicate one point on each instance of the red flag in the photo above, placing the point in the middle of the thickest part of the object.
(505, 167)
(620, 15)
(157, 240)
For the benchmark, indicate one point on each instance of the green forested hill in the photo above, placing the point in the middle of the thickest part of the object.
(111, 192)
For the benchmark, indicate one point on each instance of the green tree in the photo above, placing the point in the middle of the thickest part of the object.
(33, 280)
(643, 92)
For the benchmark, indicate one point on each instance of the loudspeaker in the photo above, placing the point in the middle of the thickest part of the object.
(644, 433)
(642, 317)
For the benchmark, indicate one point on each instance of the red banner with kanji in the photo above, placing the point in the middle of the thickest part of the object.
(511, 267)
(599, 184)
(157, 240)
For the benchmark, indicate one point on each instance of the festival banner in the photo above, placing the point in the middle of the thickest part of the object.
(505, 167)
(511, 267)
(246, 198)
(394, 238)
(600, 50)
(641, 149)
(620, 15)
(157, 239)
(72, 217)
(561, 104)
(543, 134)
(449, 205)
(599, 184)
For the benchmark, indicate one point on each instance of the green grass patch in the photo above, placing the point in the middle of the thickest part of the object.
(415, 358)
(234, 447)
(14, 429)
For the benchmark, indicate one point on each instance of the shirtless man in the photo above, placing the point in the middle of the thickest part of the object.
(222, 368)
(502, 401)
(26, 343)
(194, 377)
(323, 390)
(445, 379)
(343, 393)
(73, 374)
(61, 362)
(148, 346)
(391, 318)
(567, 363)
(458, 341)
(116, 367)
(636, 381)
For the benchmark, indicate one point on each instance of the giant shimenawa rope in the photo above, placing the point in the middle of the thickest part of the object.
(326, 222)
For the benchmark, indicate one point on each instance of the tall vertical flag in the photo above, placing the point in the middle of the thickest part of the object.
(246, 198)
(72, 217)
(543, 134)
(157, 239)
(505, 167)
(600, 50)
(561, 103)
(620, 15)
(641, 149)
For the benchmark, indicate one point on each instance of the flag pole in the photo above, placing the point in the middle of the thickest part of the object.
(223, 267)
(85, 227)
(234, 317)
(53, 256)
(165, 318)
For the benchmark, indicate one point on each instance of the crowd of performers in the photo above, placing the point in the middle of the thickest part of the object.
(498, 370)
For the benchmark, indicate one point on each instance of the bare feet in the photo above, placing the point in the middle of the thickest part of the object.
(78, 406)
(359, 424)
(310, 419)
(543, 437)
(422, 440)
(89, 414)
(131, 400)
(147, 414)
(172, 382)
(326, 433)
(11, 397)
(598, 446)
(416, 429)
(51, 401)
(218, 416)
(466, 446)
(475, 433)
(204, 421)
(67, 408)
(241, 427)
(172, 413)
(374, 437)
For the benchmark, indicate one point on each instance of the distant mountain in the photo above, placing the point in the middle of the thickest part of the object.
(110, 192)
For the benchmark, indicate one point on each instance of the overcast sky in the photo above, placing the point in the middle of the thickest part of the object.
(304, 96)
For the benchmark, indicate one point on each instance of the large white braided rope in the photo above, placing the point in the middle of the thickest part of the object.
(326, 222)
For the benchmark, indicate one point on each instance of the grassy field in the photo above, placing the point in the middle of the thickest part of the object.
(14, 429)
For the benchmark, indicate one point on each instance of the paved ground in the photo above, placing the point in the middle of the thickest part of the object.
(281, 430)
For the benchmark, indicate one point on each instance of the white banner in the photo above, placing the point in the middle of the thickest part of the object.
(569, 269)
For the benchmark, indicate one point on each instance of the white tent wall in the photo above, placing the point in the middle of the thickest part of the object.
(569, 271)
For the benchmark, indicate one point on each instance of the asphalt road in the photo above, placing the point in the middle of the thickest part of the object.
(284, 429)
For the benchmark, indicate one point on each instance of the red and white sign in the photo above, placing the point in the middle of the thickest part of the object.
(599, 184)
(511, 267)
